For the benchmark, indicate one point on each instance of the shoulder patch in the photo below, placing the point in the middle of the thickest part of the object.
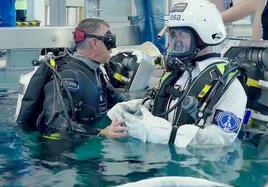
(227, 121)
(71, 84)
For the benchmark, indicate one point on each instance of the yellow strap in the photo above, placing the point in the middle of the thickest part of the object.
(252, 83)
(164, 76)
(52, 63)
(53, 136)
(118, 76)
(221, 67)
(204, 91)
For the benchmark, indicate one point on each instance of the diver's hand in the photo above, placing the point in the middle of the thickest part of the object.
(117, 129)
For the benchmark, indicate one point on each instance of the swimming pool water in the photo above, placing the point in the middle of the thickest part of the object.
(27, 160)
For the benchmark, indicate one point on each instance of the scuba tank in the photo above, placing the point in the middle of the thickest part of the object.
(31, 95)
(23, 85)
(121, 65)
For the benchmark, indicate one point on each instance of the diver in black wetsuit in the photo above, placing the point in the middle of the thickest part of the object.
(88, 94)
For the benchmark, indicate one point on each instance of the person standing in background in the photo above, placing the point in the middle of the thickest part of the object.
(245, 8)
(150, 14)
(264, 20)
(222, 4)
(8, 13)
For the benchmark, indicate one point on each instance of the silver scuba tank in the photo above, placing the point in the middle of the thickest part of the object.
(23, 85)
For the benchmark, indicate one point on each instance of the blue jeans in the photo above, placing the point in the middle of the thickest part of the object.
(7, 13)
(150, 17)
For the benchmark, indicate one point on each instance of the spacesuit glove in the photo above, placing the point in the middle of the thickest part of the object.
(136, 127)
(146, 127)
(131, 106)
(158, 129)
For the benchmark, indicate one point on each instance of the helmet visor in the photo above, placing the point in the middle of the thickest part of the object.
(180, 41)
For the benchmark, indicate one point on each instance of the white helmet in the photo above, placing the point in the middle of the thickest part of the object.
(200, 15)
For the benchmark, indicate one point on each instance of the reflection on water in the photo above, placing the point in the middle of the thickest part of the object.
(27, 160)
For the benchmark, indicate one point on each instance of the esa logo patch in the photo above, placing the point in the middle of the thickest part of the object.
(227, 121)
(71, 84)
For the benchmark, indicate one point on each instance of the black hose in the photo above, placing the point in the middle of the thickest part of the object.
(58, 76)
(181, 97)
(60, 83)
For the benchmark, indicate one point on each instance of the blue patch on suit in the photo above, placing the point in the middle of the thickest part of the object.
(227, 121)
(71, 84)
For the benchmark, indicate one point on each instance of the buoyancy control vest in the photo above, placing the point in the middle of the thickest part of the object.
(200, 88)
(165, 91)
(32, 95)
(89, 93)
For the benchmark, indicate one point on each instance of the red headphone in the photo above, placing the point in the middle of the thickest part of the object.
(108, 39)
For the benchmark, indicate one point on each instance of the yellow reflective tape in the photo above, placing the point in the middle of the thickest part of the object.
(164, 76)
(34, 23)
(221, 67)
(252, 83)
(52, 63)
(204, 91)
(118, 76)
(28, 23)
(53, 136)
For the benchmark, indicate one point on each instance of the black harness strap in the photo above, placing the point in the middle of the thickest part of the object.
(173, 134)
(207, 76)
(163, 94)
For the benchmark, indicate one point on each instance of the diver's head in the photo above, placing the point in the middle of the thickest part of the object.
(94, 39)
(182, 42)
(192, 26)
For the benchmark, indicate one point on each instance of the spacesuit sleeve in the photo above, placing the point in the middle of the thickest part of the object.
(223, 126)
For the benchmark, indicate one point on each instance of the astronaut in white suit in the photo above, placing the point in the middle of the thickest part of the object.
(193, 27)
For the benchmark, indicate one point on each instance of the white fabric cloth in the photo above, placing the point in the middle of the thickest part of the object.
(175, 181)
(144, 126)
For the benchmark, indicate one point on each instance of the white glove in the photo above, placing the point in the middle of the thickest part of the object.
(136, 127)
(131, 106)
(147, 127)
(144, 126)
(158, 129)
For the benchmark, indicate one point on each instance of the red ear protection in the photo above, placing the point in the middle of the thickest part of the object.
(108, 39)
(79, 36)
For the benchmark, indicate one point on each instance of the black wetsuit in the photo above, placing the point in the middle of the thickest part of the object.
(264, 20)
(90, 94)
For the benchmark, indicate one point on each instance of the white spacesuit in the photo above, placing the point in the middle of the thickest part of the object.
(220, 100)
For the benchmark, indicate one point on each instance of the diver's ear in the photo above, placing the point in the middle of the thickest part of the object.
(92, 44)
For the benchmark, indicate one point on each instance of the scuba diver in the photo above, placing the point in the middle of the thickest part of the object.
(77, 94)
(200, 101)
